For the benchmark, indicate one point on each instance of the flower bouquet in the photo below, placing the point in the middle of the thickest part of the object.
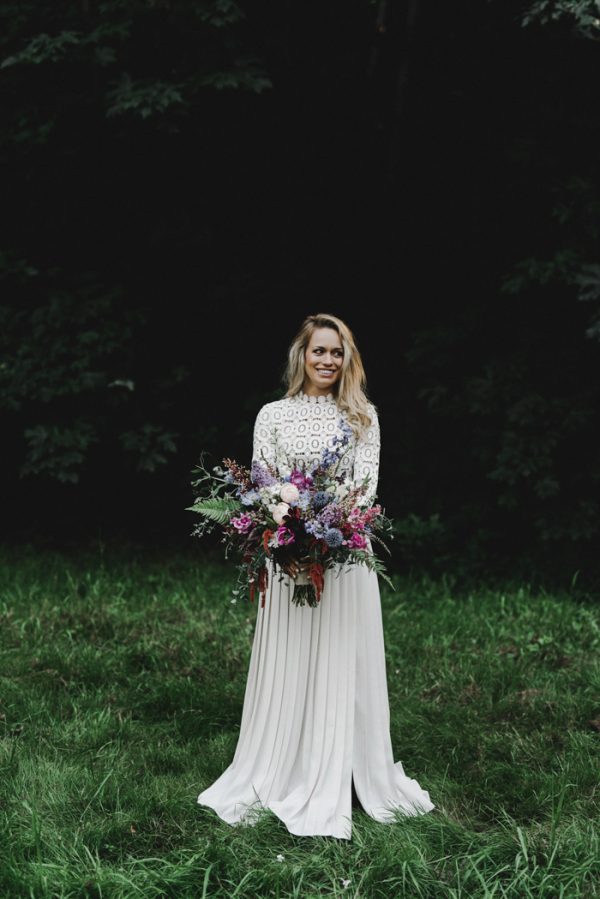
(316, 515)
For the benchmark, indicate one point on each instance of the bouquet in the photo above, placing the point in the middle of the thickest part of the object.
(313, 514)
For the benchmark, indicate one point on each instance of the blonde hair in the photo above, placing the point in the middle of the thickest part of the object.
(350, 394)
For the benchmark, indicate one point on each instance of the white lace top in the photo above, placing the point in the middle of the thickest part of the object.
(295, 429)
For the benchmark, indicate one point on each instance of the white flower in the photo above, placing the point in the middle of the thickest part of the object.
(279, 511)
(345, 883)
(280, 857)
(290, 493)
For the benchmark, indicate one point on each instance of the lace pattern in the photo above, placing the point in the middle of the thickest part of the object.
(294, 431)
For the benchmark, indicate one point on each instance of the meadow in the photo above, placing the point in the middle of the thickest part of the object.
(122, 677)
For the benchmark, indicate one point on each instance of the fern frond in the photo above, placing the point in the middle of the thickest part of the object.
(219, 509)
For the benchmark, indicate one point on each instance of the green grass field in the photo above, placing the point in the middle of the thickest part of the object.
(122, 678)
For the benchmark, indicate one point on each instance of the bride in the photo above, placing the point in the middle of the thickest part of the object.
(315, 724)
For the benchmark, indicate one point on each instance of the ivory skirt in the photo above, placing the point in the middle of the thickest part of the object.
(316, 715)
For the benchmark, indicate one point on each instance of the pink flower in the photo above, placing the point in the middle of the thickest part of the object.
(299, 479)
(356, 521)
(284, 536)
(358, 541)
(242, 523)
(372, 513)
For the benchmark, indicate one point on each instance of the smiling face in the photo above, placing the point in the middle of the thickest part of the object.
(323, 360)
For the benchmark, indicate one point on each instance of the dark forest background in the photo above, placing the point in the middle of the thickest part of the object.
(184, 181)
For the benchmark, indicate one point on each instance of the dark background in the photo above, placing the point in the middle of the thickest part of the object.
(185, 182)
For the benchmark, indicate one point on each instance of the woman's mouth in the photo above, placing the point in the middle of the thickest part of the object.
(324, 373)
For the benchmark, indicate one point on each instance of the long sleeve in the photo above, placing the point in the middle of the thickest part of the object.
(366, 459)
(264, 447)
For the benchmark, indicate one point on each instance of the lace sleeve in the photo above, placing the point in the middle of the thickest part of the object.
(265, 437)
(366, 459)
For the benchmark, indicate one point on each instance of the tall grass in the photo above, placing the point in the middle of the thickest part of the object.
(122, 678)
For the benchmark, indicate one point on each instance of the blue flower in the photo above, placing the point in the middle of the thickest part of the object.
(321, 498)
(304, 501)
(333, 537)
(249, 498)
(314, 527)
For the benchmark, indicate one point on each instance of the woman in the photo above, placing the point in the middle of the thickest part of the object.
(315, 717)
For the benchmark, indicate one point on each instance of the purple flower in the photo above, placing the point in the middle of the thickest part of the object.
(332, 454)
(284, 536)
(300, 479)
(261, 476)
(330, 515)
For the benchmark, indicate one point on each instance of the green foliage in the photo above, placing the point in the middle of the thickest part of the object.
(75, 334)
(246, 73)
(588, 281)
(43, 48)
(149, 443)
(99, 45)
(584, 15)
(143, 99)
(509, 417)
(220, 13)
(218, 509)
(58, 452)
(418, 539)
(577, 203)
(119, 662)
(562, 269)
(373, 563)
(68, 350)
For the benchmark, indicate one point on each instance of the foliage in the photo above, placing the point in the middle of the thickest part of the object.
(156, 191)
(143, 99)
(584, 15)
(118, 663)
(150, 60)
(419, 540)
(576, 209)
(58, 452)
(81, 77)
(218, 509)
(510, 417)
(80, 394)
(150, 443)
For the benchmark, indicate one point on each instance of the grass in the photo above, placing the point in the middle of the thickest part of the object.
(122, 678)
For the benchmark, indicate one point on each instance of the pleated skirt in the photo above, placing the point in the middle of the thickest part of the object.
(316, 715)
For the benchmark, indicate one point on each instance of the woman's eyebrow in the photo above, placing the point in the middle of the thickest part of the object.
(322, 348)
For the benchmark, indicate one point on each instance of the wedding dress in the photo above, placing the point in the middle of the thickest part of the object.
(316, 711)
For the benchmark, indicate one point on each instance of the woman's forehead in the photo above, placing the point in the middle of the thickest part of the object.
(326, 337)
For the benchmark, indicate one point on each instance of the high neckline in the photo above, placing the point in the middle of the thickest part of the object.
(304, 397)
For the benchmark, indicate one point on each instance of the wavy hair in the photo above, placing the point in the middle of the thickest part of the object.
(350, 395)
